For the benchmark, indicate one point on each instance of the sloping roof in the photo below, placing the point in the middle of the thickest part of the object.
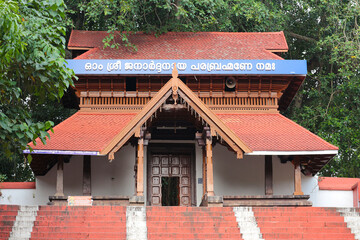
(273, 132)
(183, 45)
(337, 183)
(89, 132)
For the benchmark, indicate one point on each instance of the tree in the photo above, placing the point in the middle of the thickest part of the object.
(32, 51)
(329, 102)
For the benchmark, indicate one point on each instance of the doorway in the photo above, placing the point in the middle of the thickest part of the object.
(170, 177)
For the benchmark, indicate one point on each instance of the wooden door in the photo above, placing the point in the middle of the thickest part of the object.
(169, 165)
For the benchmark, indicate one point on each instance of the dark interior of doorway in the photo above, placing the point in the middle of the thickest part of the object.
(170, 194)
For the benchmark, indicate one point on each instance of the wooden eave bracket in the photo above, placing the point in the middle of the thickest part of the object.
(176, 87)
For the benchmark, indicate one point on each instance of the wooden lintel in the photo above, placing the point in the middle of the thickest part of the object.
(87, 176)
(268, 175)
(60, 178)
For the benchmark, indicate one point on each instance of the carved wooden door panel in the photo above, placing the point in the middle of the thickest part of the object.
(169, 165)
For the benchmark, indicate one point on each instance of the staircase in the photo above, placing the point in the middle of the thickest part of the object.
(191, 223)
(8, 215)
(247, 223)
(24, 223)
(142, 223)
(296, 223)
(96, 222)
(352, 218)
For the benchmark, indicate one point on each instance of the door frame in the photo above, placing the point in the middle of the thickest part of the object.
(172, 148)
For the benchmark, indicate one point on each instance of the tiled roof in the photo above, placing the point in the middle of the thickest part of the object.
(260, 132)
(273, 132)
(85, 132)
(183, 45)
(335, 183)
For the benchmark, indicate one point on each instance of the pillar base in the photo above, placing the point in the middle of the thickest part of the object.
(137, 201)
(298, 193)
(212, 201)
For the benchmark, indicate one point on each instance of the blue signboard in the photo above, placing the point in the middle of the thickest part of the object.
(187, 67)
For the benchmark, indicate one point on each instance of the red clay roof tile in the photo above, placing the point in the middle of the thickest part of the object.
(261, 132)
(273, 132)
(183, 45)
(85, 131)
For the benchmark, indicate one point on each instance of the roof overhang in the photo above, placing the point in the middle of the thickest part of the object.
(188, 67)
(285, 153)
(62, 152)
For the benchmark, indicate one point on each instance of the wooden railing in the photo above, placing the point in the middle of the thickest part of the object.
(214, 103)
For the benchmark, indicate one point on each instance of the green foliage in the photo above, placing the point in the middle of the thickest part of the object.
(32, 50)
(160, 16)
(329, 102)
(15, 168)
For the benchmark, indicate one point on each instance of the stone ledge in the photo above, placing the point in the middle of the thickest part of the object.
(137, 201)
(97, 200)
(212, 201)
(267, 200)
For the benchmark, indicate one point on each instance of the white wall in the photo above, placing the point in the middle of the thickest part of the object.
(18, 197)
(310, 187)
(115, 178)
(237, 176)
(332, 198)
(283, 176)
(247, 176)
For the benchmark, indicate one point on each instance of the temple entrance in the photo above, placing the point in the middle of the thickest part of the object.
(169, 179)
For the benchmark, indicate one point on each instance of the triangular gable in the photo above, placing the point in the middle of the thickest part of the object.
(176, 86)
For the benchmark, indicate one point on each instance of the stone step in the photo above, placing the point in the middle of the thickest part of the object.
(196, 224)
(192, 218)
(300, 219)
(202, 230)
(81, 229)
(85, 235)
(192, 235)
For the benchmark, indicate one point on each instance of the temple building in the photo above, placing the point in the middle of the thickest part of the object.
(185, 119)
